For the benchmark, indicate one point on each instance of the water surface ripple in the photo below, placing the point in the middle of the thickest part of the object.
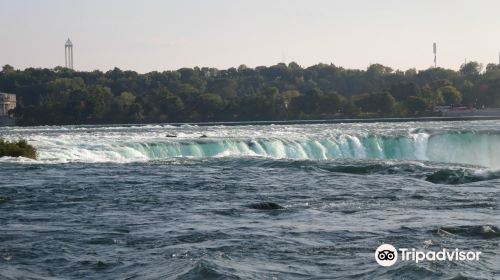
(191, 217)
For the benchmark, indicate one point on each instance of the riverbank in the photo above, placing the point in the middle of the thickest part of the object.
(292, 122)
(371, 120)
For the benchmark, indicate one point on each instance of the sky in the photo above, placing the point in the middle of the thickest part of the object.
(157, 35)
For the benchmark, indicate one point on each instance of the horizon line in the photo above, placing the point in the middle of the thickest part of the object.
(255, 67)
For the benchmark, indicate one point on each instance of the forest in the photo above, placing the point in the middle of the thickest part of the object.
(279, 92)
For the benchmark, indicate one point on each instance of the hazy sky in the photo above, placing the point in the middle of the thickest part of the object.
(163, 35)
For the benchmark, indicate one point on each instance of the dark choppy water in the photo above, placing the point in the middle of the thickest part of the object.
(128, 203)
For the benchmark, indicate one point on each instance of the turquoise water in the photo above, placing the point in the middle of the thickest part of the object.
(128, 202)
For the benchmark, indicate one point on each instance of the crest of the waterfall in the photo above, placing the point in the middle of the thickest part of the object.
(299, 142)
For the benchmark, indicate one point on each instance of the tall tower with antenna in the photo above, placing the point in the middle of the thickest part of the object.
(434, 47)
(68, 54)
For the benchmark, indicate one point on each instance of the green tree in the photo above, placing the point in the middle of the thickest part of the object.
(277, 92)
(403, 91)
(451, 96)
(7, 69)
(226, 88)
(306, 104)
(209, 105)
(377, 70)
(331, 103)
(126, 98)
(416, 105)
(471, 70)
(382, 103)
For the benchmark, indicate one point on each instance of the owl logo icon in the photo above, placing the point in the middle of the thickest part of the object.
(386, 255)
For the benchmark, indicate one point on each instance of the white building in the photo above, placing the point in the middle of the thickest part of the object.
(7, 103)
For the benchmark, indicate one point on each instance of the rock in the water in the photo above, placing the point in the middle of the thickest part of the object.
(266, 206)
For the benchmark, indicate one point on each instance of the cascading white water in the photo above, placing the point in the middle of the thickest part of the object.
(304, 142)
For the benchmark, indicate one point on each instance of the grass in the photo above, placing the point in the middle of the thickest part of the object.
(20, 148)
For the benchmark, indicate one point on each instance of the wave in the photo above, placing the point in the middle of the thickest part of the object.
(475, 231)
(436, 173)
(461, 176)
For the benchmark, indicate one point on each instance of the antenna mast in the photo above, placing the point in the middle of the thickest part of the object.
(434, 47)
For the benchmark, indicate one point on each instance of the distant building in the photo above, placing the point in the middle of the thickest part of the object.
(7, 103)
(467, 111)
(68, 54)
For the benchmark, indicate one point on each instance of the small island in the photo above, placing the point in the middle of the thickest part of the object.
(20, 148)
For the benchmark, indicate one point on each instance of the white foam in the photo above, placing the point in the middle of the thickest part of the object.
(314, 142)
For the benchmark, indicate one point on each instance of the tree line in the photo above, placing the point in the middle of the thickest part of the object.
(279, 92)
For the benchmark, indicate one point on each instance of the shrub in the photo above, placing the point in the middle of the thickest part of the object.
(20, 148)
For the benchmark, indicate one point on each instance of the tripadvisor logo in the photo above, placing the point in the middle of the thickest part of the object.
(387, 255)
